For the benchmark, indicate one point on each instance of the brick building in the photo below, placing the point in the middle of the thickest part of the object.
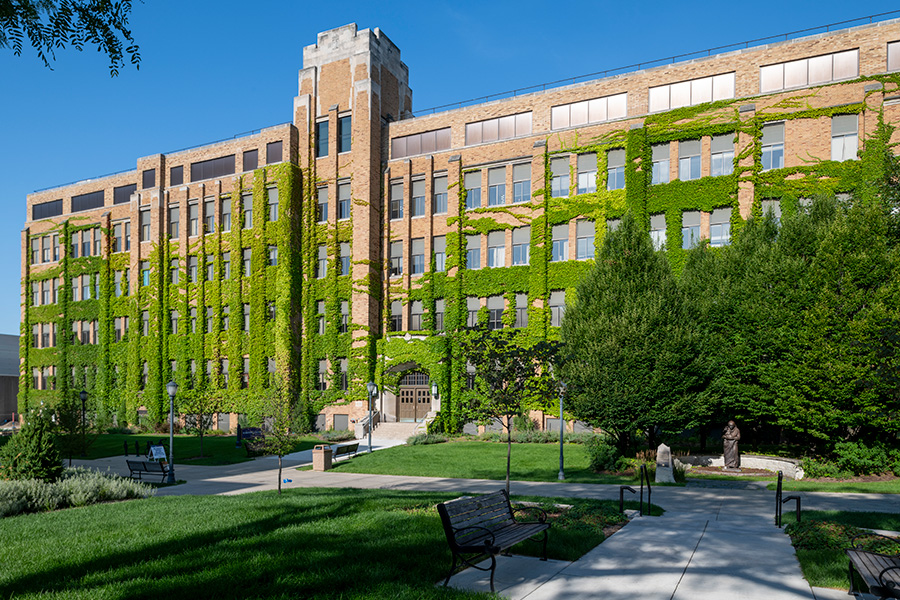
(339, 248)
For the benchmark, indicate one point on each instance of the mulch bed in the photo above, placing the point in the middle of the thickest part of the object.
(744, 472)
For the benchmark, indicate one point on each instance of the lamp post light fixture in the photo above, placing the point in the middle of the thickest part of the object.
(83, 396)
(562, 429)
(373, 393)
(172, 388)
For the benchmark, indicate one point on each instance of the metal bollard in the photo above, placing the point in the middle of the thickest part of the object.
(126, 447)
(778, 501)
(137, 448)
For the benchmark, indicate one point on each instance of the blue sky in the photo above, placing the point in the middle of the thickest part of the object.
(213, 69)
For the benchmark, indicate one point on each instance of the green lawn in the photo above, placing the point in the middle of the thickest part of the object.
(862, 487)
(217, 449)
(306, 543)
(822, 536)
(481, 460)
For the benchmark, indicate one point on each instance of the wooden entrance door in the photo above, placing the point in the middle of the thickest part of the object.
(414, 399)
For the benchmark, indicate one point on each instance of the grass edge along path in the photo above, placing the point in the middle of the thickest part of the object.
(309, 543)
(822, 536)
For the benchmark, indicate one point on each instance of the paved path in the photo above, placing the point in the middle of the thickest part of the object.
(713, 543)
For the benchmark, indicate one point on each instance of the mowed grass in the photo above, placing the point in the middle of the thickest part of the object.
(822, 536)
(862, 487)
(306, 543)
(481, 460)
(217, 449)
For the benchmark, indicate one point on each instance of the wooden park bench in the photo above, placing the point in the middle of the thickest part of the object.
(254, 440)
(139, 467)
(345, 450)
(485, 526)
(881, 572)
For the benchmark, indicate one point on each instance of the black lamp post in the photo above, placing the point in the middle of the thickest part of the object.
(83, 396)
(172, 388)
(373, 392)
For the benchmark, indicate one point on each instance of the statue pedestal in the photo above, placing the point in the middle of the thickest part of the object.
(664, 475)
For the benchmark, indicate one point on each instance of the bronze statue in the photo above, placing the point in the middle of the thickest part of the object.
(730, 437)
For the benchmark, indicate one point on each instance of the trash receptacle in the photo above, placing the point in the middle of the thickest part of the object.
(322, 457)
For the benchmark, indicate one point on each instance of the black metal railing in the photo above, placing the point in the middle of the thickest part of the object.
(781, 500)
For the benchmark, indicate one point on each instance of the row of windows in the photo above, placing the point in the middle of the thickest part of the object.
(344, 136)
(323, 381)
(343, 326)
(343, 202)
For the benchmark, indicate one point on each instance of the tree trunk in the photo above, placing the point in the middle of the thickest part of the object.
(279, 474)
(508, 453)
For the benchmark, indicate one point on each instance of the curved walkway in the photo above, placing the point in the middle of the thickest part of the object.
(712, 543)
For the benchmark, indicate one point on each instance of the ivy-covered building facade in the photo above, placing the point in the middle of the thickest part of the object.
(347, 246)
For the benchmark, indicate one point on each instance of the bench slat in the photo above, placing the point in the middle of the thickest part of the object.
(870, 564)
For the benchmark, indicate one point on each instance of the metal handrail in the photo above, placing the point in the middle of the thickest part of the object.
(540, 87)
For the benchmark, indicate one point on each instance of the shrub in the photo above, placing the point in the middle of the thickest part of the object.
(76, 487)
(523, 423)
(860, 459)
(337, 435)
(425, 438)
(816, 468)
(119, 430)
(32, 453)
(604, 456)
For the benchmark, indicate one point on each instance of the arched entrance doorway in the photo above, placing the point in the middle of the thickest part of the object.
(414, 399)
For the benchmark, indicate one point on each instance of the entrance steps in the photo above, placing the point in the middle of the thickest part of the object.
(394, 431)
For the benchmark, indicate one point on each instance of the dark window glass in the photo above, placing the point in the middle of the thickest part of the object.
(344, 130)
(148, 179)
(123, 194)
(251, 159)
(45, 210)
(87, 201)
(214, 167)
(176, 175)
(321, 139)
(273, 152)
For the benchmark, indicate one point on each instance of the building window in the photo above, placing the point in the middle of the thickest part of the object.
(245, 261)
(615, 170)
(144, 219)
(439, 248)
(345, 317)
(274, 152)
(773, 205)
(720, 227)
(247, 209)
(273, 256)
(173, 321)
(193, 320)
(721, 158)
(893, 56)
(560, 248)
(226, 317)
(173, 221)
(496, 241)
(210, 267)
(439, 198)
(123, 193)
(495, 312)
(45, 249)
(226, 214)
(501, 128)
(396, 259)
(322, 204)
(117, 237)
(521, 241)
(344, 135)
(497, 187)
(415, 315)
(396, 200)
(173, 271)
(772, 146)
(36, 249)
(209, 217)
(658, 231)
(345, 258)
(473, 305)
(45, 210)
(343, 203)
(209, 319)
(521, 310)
(214, 167)
(660, 164)
(473, 252)
(321, 139)
(473, 190)
(584, 239)
(55, 248)
(192, 269)
(85, 287)
(246, 315)
(585, 112)
(559, 184)
(320, 311)
(439, 314)
(148, 178)
(688, 160)
(417, 204)
(272, 199)
(245, 373)
(323, 375)
(396, 316)
(250, 160)
(226, 265)
(145, 273)
(809, 71)
(322, 262)
(691, 92)
(193, 219)
(521, 183)
(417, 256)
(844, 138)
(117, 284)
(145, 323)
(690, 229)
(587, 173)
(557, 304)
(86, 243)
(426, 142)
(36, 293)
